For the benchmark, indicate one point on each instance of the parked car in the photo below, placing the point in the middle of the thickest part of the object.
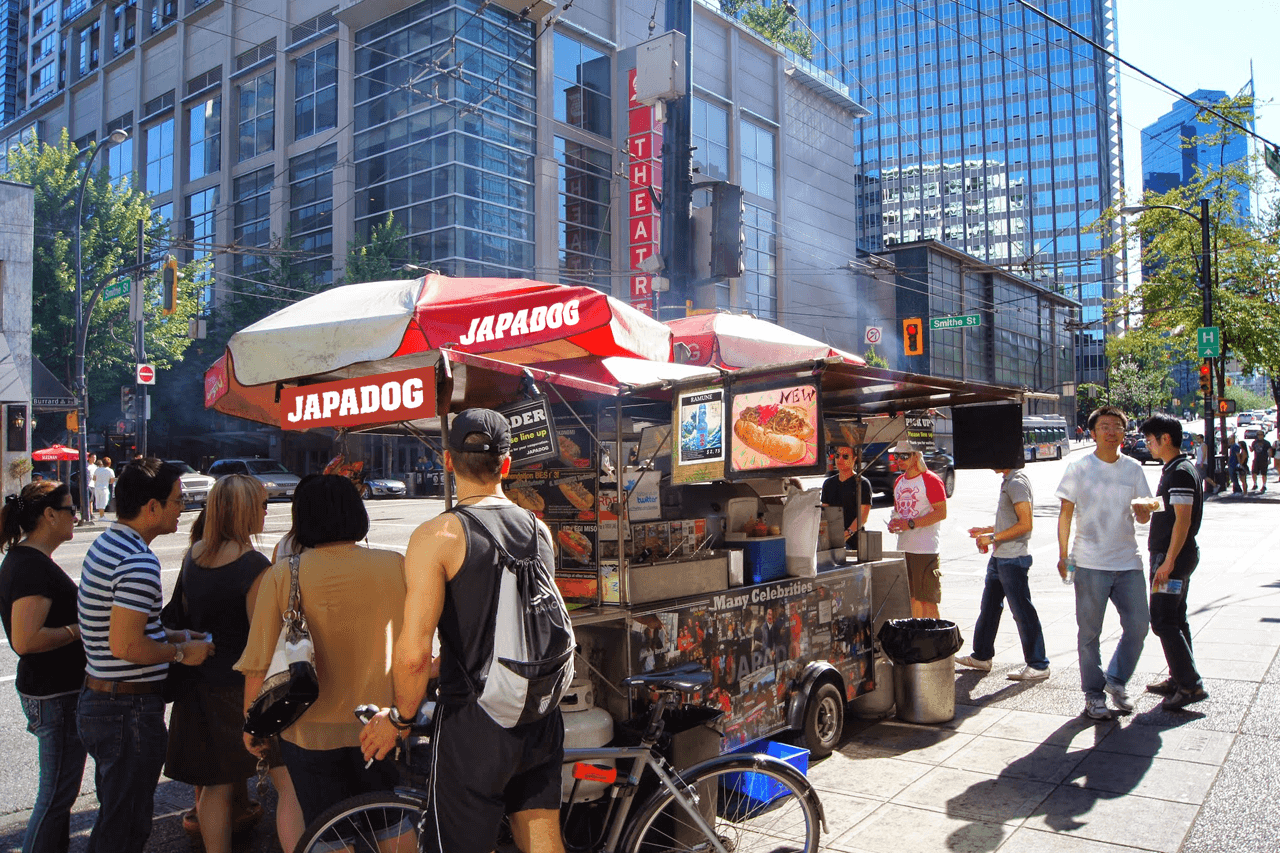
(378, 485)
(195, 486)
(939, 462)
(277, 479)
(1136, 446)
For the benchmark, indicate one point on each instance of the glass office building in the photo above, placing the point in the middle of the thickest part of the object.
(991, 131)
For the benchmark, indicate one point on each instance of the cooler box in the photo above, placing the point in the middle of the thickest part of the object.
(759, 787)
(764, 558)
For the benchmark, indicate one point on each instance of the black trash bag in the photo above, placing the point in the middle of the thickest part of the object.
(908, 641)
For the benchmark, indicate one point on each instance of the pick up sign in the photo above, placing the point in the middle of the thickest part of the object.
(385, 398)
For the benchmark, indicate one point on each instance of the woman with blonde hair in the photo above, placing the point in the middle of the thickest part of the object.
(220, 577)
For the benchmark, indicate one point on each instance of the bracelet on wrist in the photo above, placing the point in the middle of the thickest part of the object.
(72, 632)
(398, 721)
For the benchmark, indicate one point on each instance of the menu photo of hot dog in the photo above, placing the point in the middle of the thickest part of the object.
(775, 428)
(576, 544)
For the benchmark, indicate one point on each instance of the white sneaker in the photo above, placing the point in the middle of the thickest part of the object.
(1096, 708)
(1029, 673)
(971, 662)
(1119, 697)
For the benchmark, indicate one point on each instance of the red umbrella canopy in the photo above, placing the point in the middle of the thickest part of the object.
(55, 453)
(735, 341)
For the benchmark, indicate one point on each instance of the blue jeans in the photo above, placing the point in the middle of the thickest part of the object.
(62, 756)
(326, 777)
(127, 738)
(1127, 590)
(1007, 579)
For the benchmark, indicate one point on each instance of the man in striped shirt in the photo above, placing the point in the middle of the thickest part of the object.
(121, 712)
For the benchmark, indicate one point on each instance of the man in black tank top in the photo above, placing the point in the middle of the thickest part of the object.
(479, 770)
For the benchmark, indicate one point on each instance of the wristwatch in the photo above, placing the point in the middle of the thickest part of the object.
(911, 523)
(177, 653)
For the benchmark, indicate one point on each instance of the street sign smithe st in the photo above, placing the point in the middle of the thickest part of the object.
(960, 321)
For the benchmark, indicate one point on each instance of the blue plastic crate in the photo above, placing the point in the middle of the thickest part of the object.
(758, 787)
(764, 559)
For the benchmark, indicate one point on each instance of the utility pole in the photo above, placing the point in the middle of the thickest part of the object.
(137, 308)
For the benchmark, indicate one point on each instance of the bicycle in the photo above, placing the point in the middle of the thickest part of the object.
(733, 803)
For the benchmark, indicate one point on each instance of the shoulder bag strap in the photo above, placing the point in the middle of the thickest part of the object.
(294, 621)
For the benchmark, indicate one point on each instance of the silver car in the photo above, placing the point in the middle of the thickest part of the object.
(276, 478)
(378, 486)
(195, 486)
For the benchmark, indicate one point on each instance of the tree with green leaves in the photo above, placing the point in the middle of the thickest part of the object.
(108, 241)
(773, 22)
(874, 359)
(382, 257)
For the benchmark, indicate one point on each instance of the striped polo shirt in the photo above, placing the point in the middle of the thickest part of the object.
(119, 571)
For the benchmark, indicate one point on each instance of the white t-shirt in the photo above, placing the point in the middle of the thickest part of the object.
(914, 498)
(102, 476)
(1102, 492)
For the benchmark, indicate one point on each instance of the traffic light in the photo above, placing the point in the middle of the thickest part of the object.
(727, 236)
(912, 337)
(169, 284)
(1205, 373)
(126, 400)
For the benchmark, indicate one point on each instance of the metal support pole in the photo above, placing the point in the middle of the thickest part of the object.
(1206, 293)
(140, 346)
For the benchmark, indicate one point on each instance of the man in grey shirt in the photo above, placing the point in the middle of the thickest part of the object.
(1007, 572)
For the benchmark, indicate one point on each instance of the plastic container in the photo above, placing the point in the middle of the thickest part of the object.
(764, 558)
(908, 641)
(926, 692)
(757, 786)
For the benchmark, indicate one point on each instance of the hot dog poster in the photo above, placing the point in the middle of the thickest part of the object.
(776, 427)
(698, 454)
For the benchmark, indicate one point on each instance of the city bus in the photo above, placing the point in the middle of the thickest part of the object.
(1044, 437)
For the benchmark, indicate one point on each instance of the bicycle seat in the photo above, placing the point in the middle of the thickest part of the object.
(686, 678)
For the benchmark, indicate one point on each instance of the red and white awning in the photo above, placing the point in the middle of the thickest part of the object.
(736, 341)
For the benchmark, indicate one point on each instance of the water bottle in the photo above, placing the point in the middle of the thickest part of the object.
(1071, 573)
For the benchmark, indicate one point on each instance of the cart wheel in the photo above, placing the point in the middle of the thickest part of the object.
(823, 721)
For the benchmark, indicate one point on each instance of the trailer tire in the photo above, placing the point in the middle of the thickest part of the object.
(823, 720)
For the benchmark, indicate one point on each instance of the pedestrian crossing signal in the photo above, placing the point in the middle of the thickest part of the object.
(1226, 407)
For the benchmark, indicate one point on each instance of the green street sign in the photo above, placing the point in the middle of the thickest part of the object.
(960, 321)
(1208, 344)
(119, 288)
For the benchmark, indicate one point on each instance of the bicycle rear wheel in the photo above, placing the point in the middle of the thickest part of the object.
(380, 822)
(769, 811)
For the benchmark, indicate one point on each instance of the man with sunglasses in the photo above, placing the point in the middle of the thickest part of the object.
(849, 491)
(919, 504)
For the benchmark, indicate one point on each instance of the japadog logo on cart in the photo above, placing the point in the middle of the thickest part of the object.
(379, 399)
(496, 326)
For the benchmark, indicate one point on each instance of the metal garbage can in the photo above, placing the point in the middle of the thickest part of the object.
(923, 652)
(878, 702)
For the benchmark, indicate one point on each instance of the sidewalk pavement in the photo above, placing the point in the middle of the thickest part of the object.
(1020, 770)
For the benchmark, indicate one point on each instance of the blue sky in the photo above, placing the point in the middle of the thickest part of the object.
(1194, 45)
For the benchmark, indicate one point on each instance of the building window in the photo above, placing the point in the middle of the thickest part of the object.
(160, 157)
(43, 76)
(124, 27)
(710, 125)
(201, 222)
(252, 215)
(315, 91)
(257, 115)
(760, 260)
(585, 235)
(205, 132)
(120, 156)
(163, 13)
(87, 39)
(758, 160)
(583, 78)
(311, 212)
(45, 47)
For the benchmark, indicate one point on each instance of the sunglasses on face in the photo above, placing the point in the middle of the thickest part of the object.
(902, 456)
(844, 455)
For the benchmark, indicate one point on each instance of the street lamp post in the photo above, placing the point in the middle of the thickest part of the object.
(1206, 295)
(82, 332)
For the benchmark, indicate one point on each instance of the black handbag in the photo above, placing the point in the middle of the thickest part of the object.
(174, 616)
(291, 685)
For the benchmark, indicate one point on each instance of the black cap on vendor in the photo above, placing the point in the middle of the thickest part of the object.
(479, 431)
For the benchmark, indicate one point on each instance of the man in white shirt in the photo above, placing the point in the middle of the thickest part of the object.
(919, 505)
(1098, 492)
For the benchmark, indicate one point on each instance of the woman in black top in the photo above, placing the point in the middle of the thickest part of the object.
(219, 574)
(38, 606)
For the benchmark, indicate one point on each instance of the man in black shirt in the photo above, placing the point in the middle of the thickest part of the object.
(842, 489)
(1174, 555)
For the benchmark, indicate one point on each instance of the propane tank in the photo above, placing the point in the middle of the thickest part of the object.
(585, 725)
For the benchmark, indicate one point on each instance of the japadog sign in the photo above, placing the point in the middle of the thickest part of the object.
(387, 397)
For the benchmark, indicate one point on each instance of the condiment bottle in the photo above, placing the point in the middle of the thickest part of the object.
(759, 528)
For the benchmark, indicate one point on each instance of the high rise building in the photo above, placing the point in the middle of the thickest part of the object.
(991, 131)
(1176, 148)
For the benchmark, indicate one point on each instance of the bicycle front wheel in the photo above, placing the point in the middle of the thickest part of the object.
(749, 806)
(379, 822)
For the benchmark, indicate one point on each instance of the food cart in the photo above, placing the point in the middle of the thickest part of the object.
(645, 469)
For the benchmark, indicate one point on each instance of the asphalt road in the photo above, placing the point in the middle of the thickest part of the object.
(392, 522)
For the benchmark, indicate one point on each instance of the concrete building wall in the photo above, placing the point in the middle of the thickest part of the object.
(17, 226)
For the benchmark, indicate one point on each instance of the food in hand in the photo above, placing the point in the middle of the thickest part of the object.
(1149, 504)
(579, 495)
(575, 544)
(784, 447)
(526, 498)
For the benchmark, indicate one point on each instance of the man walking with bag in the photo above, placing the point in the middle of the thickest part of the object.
(454, 567)
(1174, 556)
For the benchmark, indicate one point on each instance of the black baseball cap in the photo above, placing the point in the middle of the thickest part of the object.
(487, 430)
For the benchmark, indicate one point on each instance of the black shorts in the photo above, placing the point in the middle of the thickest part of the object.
(481, 771)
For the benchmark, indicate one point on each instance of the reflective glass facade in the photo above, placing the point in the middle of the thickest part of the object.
(450, 154)
(311, 211)
(991, 131)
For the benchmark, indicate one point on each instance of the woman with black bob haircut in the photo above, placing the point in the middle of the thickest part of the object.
(38, 606)
(352, 598)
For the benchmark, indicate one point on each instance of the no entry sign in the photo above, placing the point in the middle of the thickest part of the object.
(146, 374)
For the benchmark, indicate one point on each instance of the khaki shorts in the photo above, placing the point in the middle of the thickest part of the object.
(924, 577)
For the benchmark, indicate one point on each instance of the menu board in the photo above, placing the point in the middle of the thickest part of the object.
(776, 429)
(697, 456)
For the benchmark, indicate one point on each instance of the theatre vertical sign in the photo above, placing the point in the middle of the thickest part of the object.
(644, 172)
